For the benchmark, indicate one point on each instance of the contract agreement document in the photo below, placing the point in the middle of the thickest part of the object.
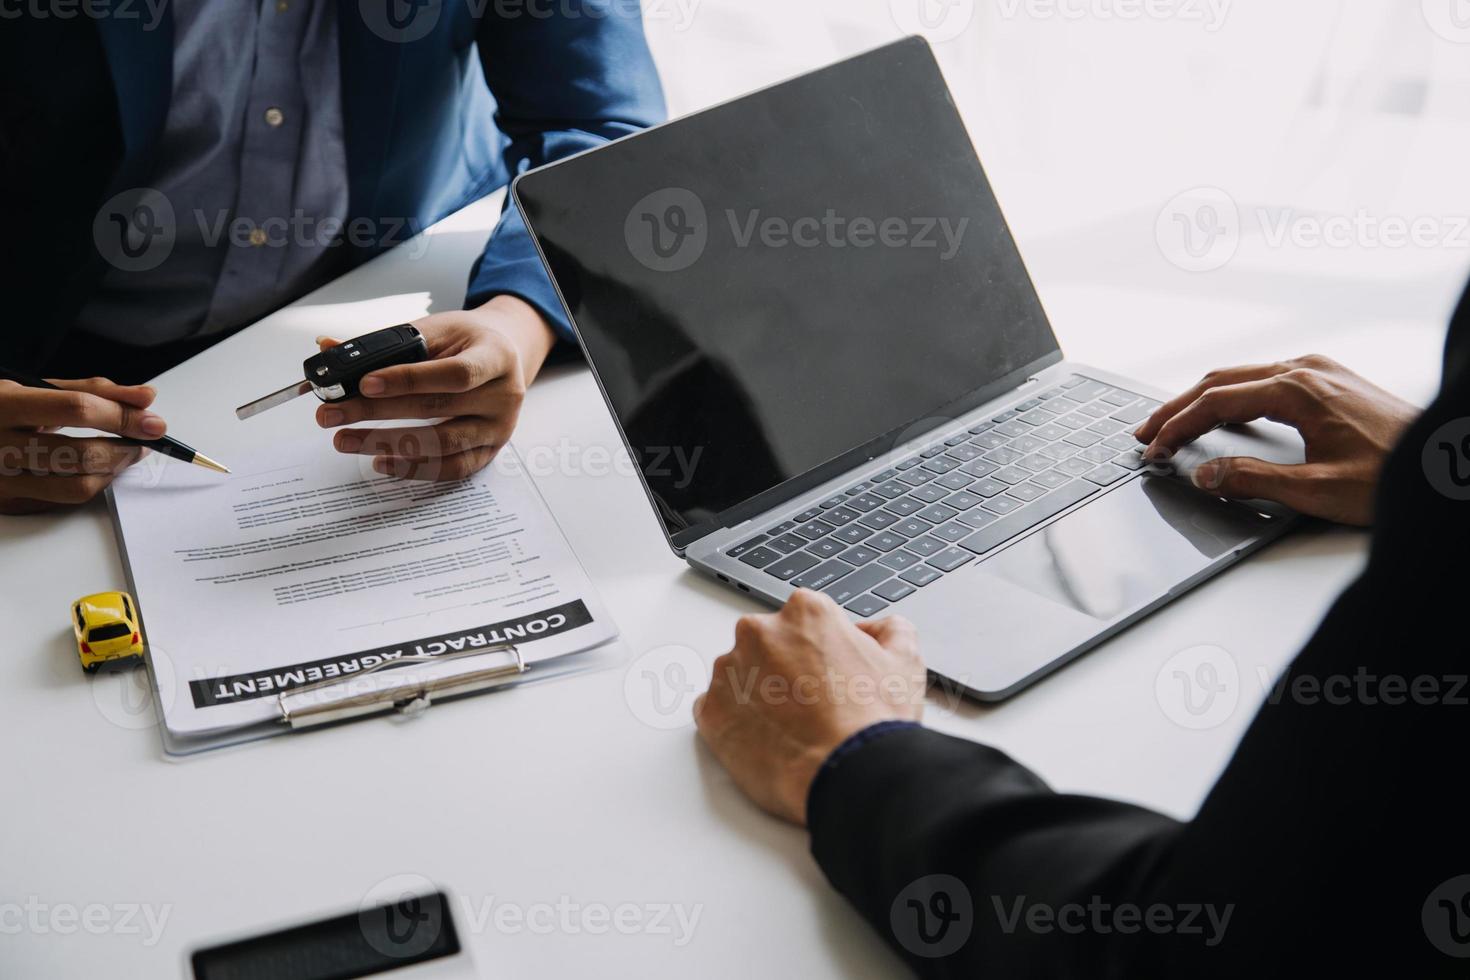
(292, 572)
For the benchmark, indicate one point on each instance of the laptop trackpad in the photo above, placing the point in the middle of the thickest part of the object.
(1126, 549)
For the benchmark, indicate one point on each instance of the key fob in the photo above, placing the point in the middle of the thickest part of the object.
(334, 374)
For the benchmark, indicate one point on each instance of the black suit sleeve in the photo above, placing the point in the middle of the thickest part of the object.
(1334, 839)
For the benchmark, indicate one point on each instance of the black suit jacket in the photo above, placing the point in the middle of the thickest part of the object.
(1333, 840)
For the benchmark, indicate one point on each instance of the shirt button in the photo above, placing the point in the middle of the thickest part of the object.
(257, 237)
(274, 117)
(282, 6)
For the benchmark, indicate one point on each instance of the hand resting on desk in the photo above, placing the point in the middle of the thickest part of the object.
(796, 685)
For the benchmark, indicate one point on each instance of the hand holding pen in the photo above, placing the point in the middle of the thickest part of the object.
(41, 470)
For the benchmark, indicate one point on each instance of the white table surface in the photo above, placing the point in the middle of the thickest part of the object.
(564, 793)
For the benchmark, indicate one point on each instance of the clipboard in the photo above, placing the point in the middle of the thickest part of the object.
(380, 682)
(408, 693)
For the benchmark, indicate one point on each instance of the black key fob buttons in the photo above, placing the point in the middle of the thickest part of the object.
(334, 374)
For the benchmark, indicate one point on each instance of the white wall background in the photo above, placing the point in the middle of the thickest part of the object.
(1091, 117)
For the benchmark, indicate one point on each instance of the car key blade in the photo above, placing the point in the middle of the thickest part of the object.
(289, 393)
(333, 374)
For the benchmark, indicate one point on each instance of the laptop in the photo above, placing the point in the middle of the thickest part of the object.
(818, 339)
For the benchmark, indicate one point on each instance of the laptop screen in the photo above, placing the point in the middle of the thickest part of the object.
(777, 288)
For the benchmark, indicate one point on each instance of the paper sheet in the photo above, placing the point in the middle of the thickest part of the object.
(293, 571)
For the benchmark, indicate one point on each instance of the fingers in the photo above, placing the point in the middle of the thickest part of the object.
(90, 404)
(750, 635)
(462, 372)
(895, 634)
(40, 470)
(56, 489)
(1247, 478)
(444, 469)
(137, 396)
(1148, 432)
(435, 406)
(805, 602)
(1234, 404)
(715, 694)
(420, 442)
(64, 455)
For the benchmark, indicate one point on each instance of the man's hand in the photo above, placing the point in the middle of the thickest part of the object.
(480, 364)
(40, 470)
(1348, 424)
(796, 685)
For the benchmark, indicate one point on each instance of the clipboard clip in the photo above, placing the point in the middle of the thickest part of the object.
(355, 695)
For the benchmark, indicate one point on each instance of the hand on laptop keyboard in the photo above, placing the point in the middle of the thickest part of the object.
(1349, 425)
(960, 498)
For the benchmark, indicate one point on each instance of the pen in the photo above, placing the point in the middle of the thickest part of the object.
(169, 447)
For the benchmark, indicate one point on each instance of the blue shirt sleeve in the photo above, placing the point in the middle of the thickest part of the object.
(563, 83)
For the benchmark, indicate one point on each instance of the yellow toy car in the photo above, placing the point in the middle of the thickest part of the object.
(106, 627)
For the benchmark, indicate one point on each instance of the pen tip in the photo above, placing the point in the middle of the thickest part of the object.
(202, 460)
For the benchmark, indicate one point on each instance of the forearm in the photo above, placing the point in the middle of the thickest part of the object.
(911, 803)
(562, 84)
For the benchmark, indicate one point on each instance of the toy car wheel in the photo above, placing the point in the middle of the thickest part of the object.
(91, 668)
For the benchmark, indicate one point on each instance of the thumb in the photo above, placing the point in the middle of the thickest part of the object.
(1248, 478)
(327, 343)
(894, 634)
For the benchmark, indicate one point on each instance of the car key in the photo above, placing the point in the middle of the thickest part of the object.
(333, 374)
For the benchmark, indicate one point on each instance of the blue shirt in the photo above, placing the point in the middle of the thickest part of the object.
(435, 114)
(253, 165)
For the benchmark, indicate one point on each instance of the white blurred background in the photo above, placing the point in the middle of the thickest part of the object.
(1325, 142)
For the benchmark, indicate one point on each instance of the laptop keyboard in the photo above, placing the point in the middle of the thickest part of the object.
(957, 499)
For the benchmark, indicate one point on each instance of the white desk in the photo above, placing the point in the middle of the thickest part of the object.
(559, 793)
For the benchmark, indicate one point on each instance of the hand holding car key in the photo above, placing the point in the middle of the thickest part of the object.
(333, 375)
(467, 370)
